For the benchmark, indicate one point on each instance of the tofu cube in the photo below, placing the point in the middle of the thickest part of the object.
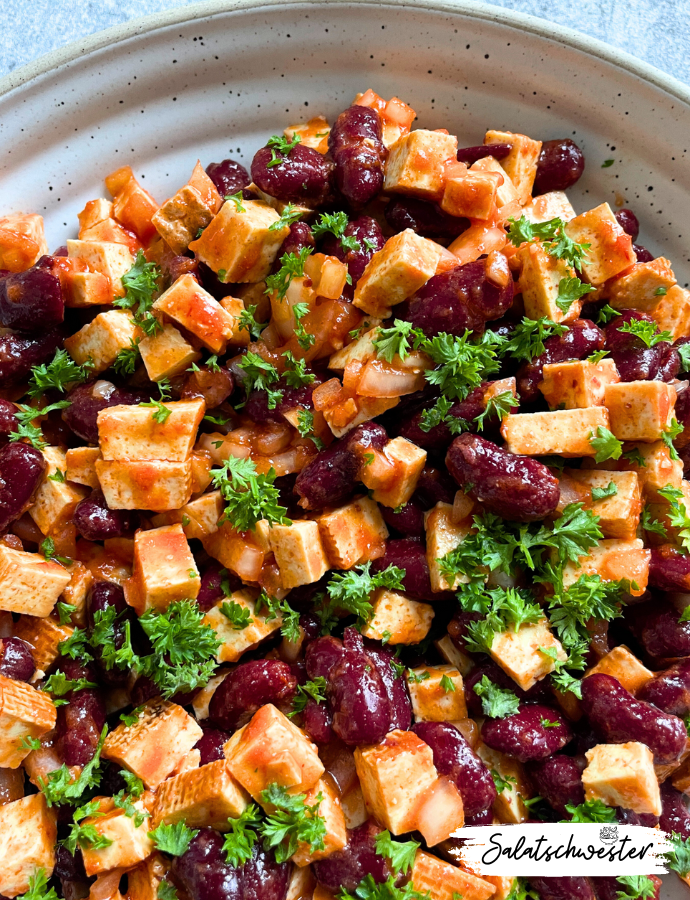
(179, 219)
(81, 465)
(440, 697)
(625, 666)
(43, 637)
(238, 244)
(299, 553)
(443, 534)
(241, 553)
(199, 518)
(552, 205)
(237, 641)
(190, 306)
(103, 338)
(272, 749)
(154, 484)
(167, 354)
(28, 832)
(521, 162)
(133, 207)
(54, 501)
(131, 432)
(82, 289)
(640, 410)
(540, 277)
(417, 161)
(164, 569)
(517, 653)
(661, 513)
(397, 619)
(613, 560)
(396, 272)
(658, 470)
(443, 881)
(155, 745)
(24, 713)
(313, 133)
(110, 259)
(201, 798)
(619, 515)
(636, 288)
(509, 806)
(393, 473)
(361, 350)
(453, 656)
(672, 312)
(610, 251)
(22, 241)
(503, 884)
(330, 809)
(578, 383)
(471, 193)
(622, 775)
(144, 880)
(353, 534)
(94, 212)
(564, 432)
(29, 583)
(130, 844)
(75, 593)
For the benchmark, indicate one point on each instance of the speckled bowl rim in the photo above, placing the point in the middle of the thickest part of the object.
(76, 50)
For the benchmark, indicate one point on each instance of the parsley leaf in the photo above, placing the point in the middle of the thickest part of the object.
(499, 406)
(501, 784)
(654, 526)
(311, 690)
(368, 889)
(504, 610)
(669, 435)
(462, 363)
(677, 514)
(247, 322)
(260, 375)
(140, 284)
(606, 444)
(401, 854)
(58, 786)
(58, 476)
(30, 743)
(240, 839)
(47, 548)
(305, 426)
(527, 340)
(393, 341)
(289, 215)
(239, 207)
(296, 373)
(678, 858)
(38, 887)
(238, 616)
(111, 636)
(86, 836)
(59, 374)
(167, 891)
(497, 703)
(570, 290)
(291, 266)
(76, 646)
(635, 887)
(291, 823)
(279, 144)
(684, 351)
(173, 839)
(304, 338)
(603, 493)
(58, 684)
(591, 811)
(335, 224)
(555, 240)
(606, 313)
(26, 416)
(647, 332)
(447, 685)
(127, 359)
(290, 624)
(350, 591)
(249, 496)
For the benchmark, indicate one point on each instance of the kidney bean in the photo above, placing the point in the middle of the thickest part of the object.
(669, 690)
(643, 255)
(20, 352)
(8, 419)
(16, 660)
(558, 780)
(439, 437)
(69, 867)
(567, 887)
(656, 627)
(362, 229)
(425, 219)
(300, 236)
(210, 744)
(258, 410)
(228, 176)
(396, 686)
(409, 556)
(21, 470)
(634, 360)
(560, 165)
(628, 221)
(101, 597)
(79, 724)
(174, 267)
(482, 818)
(434, 486)
(359, 154)
(682, 410)
(246, 688)
(514, 487)
(95, 521)
(469, 155)
(346, 868)
(456, 629)
(675, 816)
(322, 655)
(609, 887)
(669, 570)
(580, 340)
(302, 176)
(31, 300)
(454, 757)
(212, 386)
(408, 520)
(211, 591)
(317, 722)
(87, 400)
(523, 736)
(619, 717)
(630, 817)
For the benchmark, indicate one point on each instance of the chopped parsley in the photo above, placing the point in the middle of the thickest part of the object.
(311, 690)
(305, 426)
(604, 493)
(350, 591)
(647, 332)
(497, 703)
(173, 839)
(292, 822)
(335, 224)
(47, 548)
(247, 322)
(499, 406)
(553, 236)
(290, 214)
(128, 358)
(636, 887)
(140, 284)
(242, 835)
(237, 615)
(249, 496)
(280, 145)
(677, 514)
(678, 858)
(260, 376)
(527, 340)
(606, 444)
(86, 836)
(606, 313)
(394, 341)
(591, 811)
(401, 854)
(570, 290)
(291, 266)
(26, 416)
(58, 786)
(59, 374)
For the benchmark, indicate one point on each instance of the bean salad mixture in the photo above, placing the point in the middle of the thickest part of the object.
(342, 505)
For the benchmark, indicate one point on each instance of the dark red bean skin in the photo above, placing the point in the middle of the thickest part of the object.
(523, 736)
(8, 419)
(569, 887)
(210, 591)
(249, 686)
(210, 745)
(580, 340)
(434, 486)
(31, 300)
(514, 487)
(439, 437)
(101, 597)
(682, 410)
(669, 690)
(317, 722)
(669, 570)
(409, 556)
(454, 757)
(80, 722)
(425, 219)
(618, 717)
(344, 869)
(538, 693)
(396, 686)
(608, 888)
(643, 255)
(21, 470)
(361, 228)
(228, 176)
(321, 655)
(628, 221)
(300, 236)
(458, 629)
(257, 403)
(358, 152)
(303, 175)
(213, 386)
(409, 521)
(95, 521)
(16, 660)
(634, 360)
(558, 780)
(675, 816)
(19, 352)
(175, 267)
(560, 165)
(469, 155)
(630, 817)
(82, 415)
(656, 627)
(482, 818)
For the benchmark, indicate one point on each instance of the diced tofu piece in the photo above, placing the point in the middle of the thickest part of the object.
(164, 569)
(397, 619)
(517, 653)
(199, 518)
(102, 339)
(636, 288)
(622, 775)
(440, 697)
(54, 501)
(234, 307)
(453, 656)
(353, 534)
(417, 161)
(144, 880)
(331, 812)
(133, 207)
(201, 798)
(129, 843)
(578, 383)
(396, 272)
(167, 354)
(313, 133)
(440, 812)
(22, 241)
(610, 251)
(660, 512)
(640, 410)
(444, 881)
(155, 745)
(657, 471)
(471, 194)
(75, 593)
(540, 277)
(238, 244)
(509, 806)
(29, 583)
(239, 552)
(43, 637)
(82, 289)
(360, 350)
(393, 473)
(28, 832)
(613, 560)
(521, 162)
(237, 641)
(363, 410)
(81, 465)
(619, 514)
(188, 304)
(131, 432)
(94, 212)
(672, 312)
(564, 432)
(24, 713)
(503, 884)
(272, 749)
(299, 553)
(443, 534)
(625, 666)
(553, 205)
(193, 206)
(154, 484)
(110, 259)
(506, 193)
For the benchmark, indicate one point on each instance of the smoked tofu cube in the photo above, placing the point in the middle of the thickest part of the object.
(509, 806)
(517, 653)
(346, 416)
(154, 484)
(622, 775)
(660, 512)
(657, 470)
(331, 812)
(155, 745)
(54, 501)
(75, 593)
(81, 465)
(299, 553)
(672, 312)
(201, 798)
(397, 619)
(43, 637)
(564, 432)
(130, 844)
(29, 583)
(95, 212)
(313, 133)
(443, 881)
(540, 277)
(199, 518)
(417, 161)
(237, 641)
(396, 272)
(22, 241)
(238, 244)
(272, 749)
(24, 713)
(636, 288)
(353, 534)
(164, 569)
(190, 306)
(102, 339)
(110, 259)
(167, 354)
(28, 832)
(360, 350)
(613, 560)
(552, 205)
(619, 515)
(453, 656)
(625, 666)
(471, 194)
(521, 162)
(193, 206)
(393, 473)
(578, 383)
(82, 289)
(440, 697)
(503, 884)
(144, 880)
(640, 410)
(133, 207)
(131, 432)
(443, 534)
(610, 251)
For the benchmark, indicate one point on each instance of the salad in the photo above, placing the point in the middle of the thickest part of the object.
(342, 506)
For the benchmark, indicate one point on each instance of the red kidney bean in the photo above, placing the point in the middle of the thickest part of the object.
(248, 687)
(21, 471)
(643, 255)
(619, 717)
(454, 757)
(95, 521)
(560, 165)
(8, 419)
(174, 267)
(538, 693)
(16, 660)
(523, 736)
(81, 720)
(426, 219)
(409, 556)
(317, 722)
(396, 686)
(210, 591)
(458, 629)
(258, 410)
(669, 570)
(70, 871)
(300, 236)
(31, 300)
(469, 155)
(20, 352)
(482, 818)
(682, 410)
(228, 176)
(102, 596)
(570, 887)
(434, 486)
(359, 154)
(609, 887)
(87, 400)
(362, 229)
(439, 437)
(628, 221)
(669, 690)
(558, 780)
(321, 655)
(514, 487)
(346, 868)
(630, 817)
(675, 816)
(634, 360)
(302, 176)
(213, 386)
(580, 340)
(656, 627)
(210, 744)
(408, 520)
